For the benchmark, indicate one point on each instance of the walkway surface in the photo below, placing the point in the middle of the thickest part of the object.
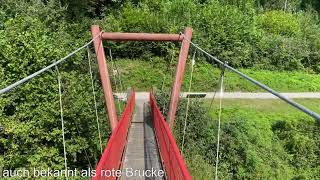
(236, 95)
(142, 152)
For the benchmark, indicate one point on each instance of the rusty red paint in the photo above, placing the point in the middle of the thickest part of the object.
(141, 37)
(114, 151)
(173, 162)
(112, 155)
(175, 93)
(104, 76)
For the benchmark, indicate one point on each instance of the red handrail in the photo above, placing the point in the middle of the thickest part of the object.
(173, 162)
(111, 158)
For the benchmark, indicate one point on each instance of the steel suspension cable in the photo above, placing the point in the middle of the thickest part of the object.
(119, 77)
(216, 89)
(268, 89)
(85, 151)
(168, 69)
(94, 98)
(114, 77)
(219, 122)
(18, 83)
(62, 123)
(77, 128)
(188, 101)
(171, 73)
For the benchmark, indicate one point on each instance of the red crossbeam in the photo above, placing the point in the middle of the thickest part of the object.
(117, 36)
(112, 156)
(140, 37)
(174, 165)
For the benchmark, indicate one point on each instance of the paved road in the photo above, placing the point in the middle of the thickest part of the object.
(234, 95)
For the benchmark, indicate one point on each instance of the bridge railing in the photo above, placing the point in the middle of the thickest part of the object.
(112, 155)
(172, 160)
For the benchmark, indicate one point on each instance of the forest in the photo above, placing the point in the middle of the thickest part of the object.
(275, 41)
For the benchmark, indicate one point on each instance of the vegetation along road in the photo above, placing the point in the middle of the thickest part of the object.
(276, 42)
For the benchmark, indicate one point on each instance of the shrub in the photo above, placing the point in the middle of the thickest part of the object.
(30, 134)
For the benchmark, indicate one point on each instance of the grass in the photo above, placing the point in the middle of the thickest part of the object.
(257, 114)
(271, 109)
(258, 117)
(157, 73)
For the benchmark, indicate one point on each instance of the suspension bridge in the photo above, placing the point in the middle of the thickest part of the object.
(141, 138)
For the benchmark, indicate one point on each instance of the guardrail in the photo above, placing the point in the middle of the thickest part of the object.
(172, 160)
(111, 158)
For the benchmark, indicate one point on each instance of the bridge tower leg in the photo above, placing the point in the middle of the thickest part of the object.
(104, 76)
(175, 93)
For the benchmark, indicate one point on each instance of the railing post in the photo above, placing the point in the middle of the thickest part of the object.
(175, 93)
(104, 76)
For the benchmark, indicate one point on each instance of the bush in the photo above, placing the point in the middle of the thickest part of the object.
(257, 141)
(30, 134)
(34, 33)
(230, 30)
(279, 23)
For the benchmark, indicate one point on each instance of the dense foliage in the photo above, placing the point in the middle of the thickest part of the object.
(261, 34)
(34, 35)
(259, 139)
(242, 32)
